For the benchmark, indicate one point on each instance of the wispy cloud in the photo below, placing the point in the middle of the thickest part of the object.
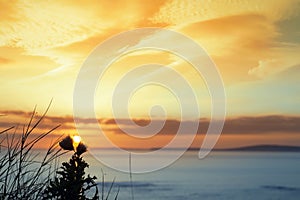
(55, 25)
(177, 12)
(283, 58)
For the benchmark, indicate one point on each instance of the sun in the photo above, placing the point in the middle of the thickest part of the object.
(76, 141)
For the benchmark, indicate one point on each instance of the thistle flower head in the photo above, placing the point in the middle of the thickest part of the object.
(73, 144)
(67, 143)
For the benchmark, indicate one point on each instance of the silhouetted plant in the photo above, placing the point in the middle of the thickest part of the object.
(27, 174)
(22, 175)
(71, 182)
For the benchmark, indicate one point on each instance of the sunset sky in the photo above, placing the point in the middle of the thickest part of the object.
(255, 45)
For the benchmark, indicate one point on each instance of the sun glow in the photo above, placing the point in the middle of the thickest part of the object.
(76, 141)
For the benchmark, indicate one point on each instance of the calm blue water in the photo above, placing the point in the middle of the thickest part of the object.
(222, 175)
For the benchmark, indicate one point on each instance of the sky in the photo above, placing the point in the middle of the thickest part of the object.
(254, 44)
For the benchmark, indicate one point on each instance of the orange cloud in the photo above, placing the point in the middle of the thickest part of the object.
(237, 125)
(4, 60)
(238, 131)
(235, 43)
(239, 35)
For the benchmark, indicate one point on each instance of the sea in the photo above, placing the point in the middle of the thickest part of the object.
(221, 175)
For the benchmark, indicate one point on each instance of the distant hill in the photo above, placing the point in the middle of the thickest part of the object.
(265, 148)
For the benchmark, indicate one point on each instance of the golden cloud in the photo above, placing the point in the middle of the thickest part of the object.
(180, 12)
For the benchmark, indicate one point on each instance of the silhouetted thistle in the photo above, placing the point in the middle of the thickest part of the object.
(70, 182)
(81, 148)
(67, 143)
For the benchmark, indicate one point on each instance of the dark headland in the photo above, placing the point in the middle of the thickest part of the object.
(261, 148)
(254, 148)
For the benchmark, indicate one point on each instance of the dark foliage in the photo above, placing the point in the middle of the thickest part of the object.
(71, 182)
